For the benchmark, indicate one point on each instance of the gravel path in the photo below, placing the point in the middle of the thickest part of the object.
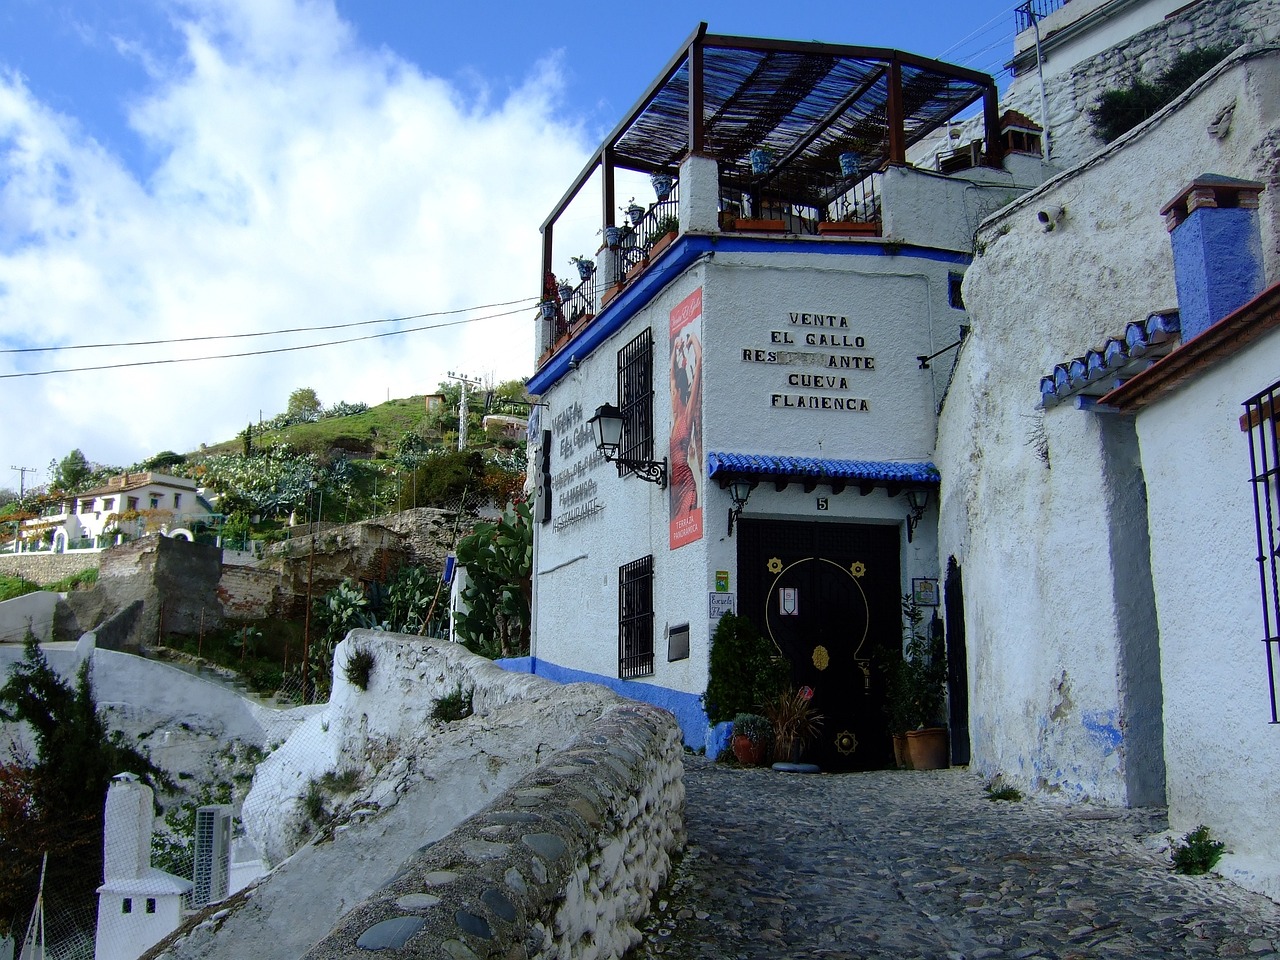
(908, 864)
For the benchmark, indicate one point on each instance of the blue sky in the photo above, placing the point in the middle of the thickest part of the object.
(184, 168)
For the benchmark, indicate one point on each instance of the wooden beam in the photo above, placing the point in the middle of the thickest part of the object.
(697, 136)
(895, 116)
(866, 487)
(606, 193)
(837, 487)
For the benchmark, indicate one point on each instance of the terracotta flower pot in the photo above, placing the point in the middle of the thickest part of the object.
(900, 758)
(927, 748)
(749, 752)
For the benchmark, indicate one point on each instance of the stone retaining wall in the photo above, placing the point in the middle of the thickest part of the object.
(1070, 96)
(46, 568)
(562, 865)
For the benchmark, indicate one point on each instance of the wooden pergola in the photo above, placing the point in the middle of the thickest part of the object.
(805, 103)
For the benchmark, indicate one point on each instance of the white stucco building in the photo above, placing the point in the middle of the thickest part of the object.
(1101, 502)
(130, 504)
(797, 334)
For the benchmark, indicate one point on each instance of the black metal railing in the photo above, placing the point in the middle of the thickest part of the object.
(1032, 10)
(639, 235)
(1264, 462)
(853, 199)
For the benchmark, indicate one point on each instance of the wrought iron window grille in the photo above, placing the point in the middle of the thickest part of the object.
(635, 618)
(635, 401)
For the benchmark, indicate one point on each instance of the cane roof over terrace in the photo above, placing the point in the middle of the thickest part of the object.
(806, 103)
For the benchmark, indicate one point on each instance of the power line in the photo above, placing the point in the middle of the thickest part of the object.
(267, 333)
(984, 28)
(258, 353)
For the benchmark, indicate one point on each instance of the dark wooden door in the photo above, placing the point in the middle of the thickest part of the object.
(829, 596)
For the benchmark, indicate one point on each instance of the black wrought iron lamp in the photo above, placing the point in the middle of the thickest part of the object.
(739, 491)
(607, 425)
(917, 500)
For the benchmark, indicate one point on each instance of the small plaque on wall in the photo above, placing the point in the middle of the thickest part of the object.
(721, 603)
(924, 590)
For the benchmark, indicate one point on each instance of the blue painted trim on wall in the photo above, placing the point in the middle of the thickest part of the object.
(684, 251)
(687, 707)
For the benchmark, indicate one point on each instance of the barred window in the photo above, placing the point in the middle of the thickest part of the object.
(1259, 421)
(635, 618)
(635, 400)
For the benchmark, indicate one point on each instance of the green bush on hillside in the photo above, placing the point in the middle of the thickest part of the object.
(1116, 112)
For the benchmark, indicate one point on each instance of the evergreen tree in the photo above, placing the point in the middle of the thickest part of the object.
(62, 794)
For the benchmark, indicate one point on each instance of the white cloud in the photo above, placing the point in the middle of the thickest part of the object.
(299, 179)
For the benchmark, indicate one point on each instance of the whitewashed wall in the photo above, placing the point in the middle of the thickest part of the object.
(1049, 586)
(1221, 750)
(757, 308)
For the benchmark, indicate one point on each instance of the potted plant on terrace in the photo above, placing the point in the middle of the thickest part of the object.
(664, 231)
(635, 212)
(752, 736)
(662, 183)
(586, 267)
(916, 691)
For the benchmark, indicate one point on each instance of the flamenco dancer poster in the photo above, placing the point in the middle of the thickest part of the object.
(687, 482)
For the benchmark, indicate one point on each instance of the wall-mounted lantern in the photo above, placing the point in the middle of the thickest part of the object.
(917, 500)
(607, 425)
(739, 491)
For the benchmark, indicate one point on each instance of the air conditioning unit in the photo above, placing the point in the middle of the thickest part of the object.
(213, 855)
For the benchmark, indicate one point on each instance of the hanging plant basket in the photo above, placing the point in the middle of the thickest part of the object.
(585, 268)
(547, 309)
(566, 291)
(761, 161)
(613, 237)
(662, 183)
(850, 163)
(635, 213)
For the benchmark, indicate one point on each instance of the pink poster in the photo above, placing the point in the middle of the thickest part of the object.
(687, 481)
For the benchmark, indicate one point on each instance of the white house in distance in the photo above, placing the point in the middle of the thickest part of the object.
(782, 321)
(1109, 517)
(131, 503)
(138, 904)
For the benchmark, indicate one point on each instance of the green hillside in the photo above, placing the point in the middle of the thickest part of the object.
(373, 434)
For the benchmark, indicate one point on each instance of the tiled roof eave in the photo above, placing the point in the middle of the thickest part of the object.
(725, 467)
(1234, 331)
(1101, 370)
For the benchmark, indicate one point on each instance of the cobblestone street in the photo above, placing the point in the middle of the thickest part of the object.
(909, 864)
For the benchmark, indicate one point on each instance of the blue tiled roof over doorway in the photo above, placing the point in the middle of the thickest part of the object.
(765, 466)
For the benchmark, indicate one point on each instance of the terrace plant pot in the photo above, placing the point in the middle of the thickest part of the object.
(927, 748)
(610, 292)
(662, 243)
(900, 758)
(848, 228)
(762, 226)
(748, 752)
(635, 269)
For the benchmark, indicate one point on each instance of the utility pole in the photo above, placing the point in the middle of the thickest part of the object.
(22, 479)
(1029, 11)
(462, 406)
